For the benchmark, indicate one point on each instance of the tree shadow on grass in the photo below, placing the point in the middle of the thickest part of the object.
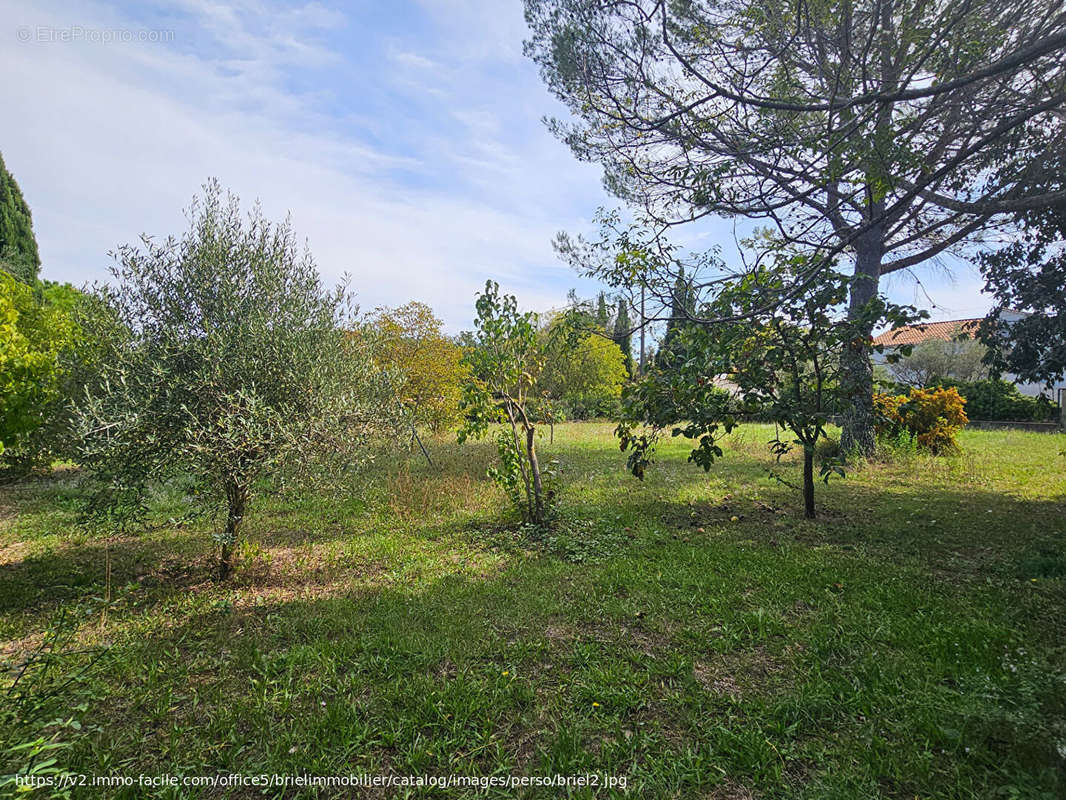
(542, 666)
(970, 530)
(75, 571)
(543, 669)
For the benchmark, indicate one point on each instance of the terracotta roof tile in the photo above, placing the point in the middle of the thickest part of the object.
(915, 334)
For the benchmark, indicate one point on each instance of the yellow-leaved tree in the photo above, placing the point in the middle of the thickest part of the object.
(426, 363)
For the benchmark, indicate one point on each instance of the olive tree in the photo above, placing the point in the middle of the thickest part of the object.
(227, 362)
(959, 358)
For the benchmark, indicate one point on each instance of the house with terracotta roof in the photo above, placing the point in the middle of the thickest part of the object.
(952, 330)
(916, 334)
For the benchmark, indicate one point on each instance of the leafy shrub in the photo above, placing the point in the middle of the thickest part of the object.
(1001, 400)
(889, 417)
(931, 417)
(38, 335)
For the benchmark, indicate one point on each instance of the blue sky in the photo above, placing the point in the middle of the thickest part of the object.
(404, 137)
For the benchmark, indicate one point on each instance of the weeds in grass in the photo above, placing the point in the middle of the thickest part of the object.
(898, 448)
(47, 681)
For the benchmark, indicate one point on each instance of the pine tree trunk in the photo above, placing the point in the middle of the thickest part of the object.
(857, 374)
(808, 481)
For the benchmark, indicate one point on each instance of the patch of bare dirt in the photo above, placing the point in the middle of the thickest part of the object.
(730, 790)
(715, 680)
(15, 552)
(738, 673)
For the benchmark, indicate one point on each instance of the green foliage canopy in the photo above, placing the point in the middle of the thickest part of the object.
(997, 399)
(863, 129)
(1028, 275)
(36, 329)
(583, 371)
(426, 363)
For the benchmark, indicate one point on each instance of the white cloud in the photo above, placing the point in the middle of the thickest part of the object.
(113, 140)
(405, 58)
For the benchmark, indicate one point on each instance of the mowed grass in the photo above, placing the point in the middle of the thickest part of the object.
(691, 633)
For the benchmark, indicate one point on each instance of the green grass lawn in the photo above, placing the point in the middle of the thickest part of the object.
(691, 633)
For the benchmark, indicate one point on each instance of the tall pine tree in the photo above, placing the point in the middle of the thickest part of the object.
(18, 247)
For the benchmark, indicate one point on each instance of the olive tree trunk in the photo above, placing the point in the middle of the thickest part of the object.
(236, 500)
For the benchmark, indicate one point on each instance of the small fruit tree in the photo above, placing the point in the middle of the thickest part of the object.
(505, 359)
(782, 356)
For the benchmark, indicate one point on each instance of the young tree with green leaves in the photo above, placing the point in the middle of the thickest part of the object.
(783, 358)
(505, 357)
(227, 363)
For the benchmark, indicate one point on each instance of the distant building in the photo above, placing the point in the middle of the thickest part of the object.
(949, 330)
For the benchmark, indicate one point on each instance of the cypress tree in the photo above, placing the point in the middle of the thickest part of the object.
(623, 335)
(603, 317)
(683, 303)
(18, 247)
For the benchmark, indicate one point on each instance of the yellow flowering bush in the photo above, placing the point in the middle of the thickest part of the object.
(933, 417)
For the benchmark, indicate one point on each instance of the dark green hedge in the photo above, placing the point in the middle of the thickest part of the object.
(1001, 400)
